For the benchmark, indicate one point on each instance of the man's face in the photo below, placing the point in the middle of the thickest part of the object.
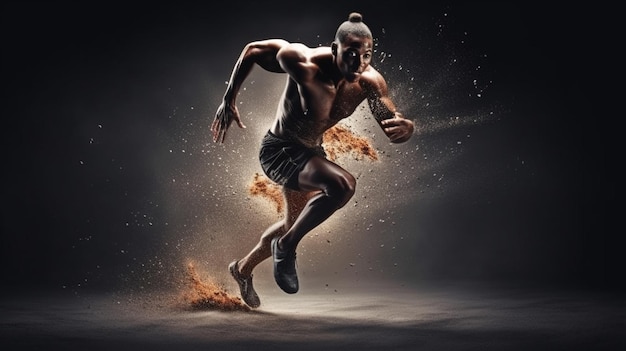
(354, 54)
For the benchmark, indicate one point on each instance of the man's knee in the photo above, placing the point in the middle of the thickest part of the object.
(342, 189)
(350, 185)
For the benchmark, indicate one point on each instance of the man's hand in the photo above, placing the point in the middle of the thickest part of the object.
(224, 117)
(398, 129)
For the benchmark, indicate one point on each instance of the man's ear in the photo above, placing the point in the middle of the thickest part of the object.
(333, 48)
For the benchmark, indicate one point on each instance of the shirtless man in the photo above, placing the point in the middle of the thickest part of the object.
(325, 85)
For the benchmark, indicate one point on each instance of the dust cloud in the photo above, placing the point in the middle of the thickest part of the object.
(262, 186)
(341, 140)
(205, 294)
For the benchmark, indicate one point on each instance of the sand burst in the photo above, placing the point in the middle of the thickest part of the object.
(208, 295)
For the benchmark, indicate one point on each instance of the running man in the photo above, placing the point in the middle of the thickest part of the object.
(325, 85)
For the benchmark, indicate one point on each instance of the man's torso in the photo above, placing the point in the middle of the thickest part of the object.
(308, 109)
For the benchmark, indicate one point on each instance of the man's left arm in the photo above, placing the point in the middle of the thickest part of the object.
(397, 128)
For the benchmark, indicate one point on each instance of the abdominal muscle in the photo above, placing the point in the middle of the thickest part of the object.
(303, 129)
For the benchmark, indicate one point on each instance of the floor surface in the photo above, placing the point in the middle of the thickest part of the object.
(399, 318)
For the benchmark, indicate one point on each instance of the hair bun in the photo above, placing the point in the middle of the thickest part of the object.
(355, 17)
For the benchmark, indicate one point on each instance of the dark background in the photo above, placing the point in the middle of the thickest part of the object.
(91, 92)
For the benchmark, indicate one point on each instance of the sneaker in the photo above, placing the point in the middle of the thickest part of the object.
(284, 268)
(246, 289)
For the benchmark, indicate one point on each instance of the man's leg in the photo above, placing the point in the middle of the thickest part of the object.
(337, 187)
(294, 203)
(242, 269)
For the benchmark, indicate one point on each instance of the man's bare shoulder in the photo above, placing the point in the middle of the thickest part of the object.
(301, 51)
(275, 44)
(303, 63)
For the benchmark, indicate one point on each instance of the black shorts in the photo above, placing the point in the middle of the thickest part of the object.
(282, 159)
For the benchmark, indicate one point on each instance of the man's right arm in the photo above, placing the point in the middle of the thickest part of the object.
(262, 53)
